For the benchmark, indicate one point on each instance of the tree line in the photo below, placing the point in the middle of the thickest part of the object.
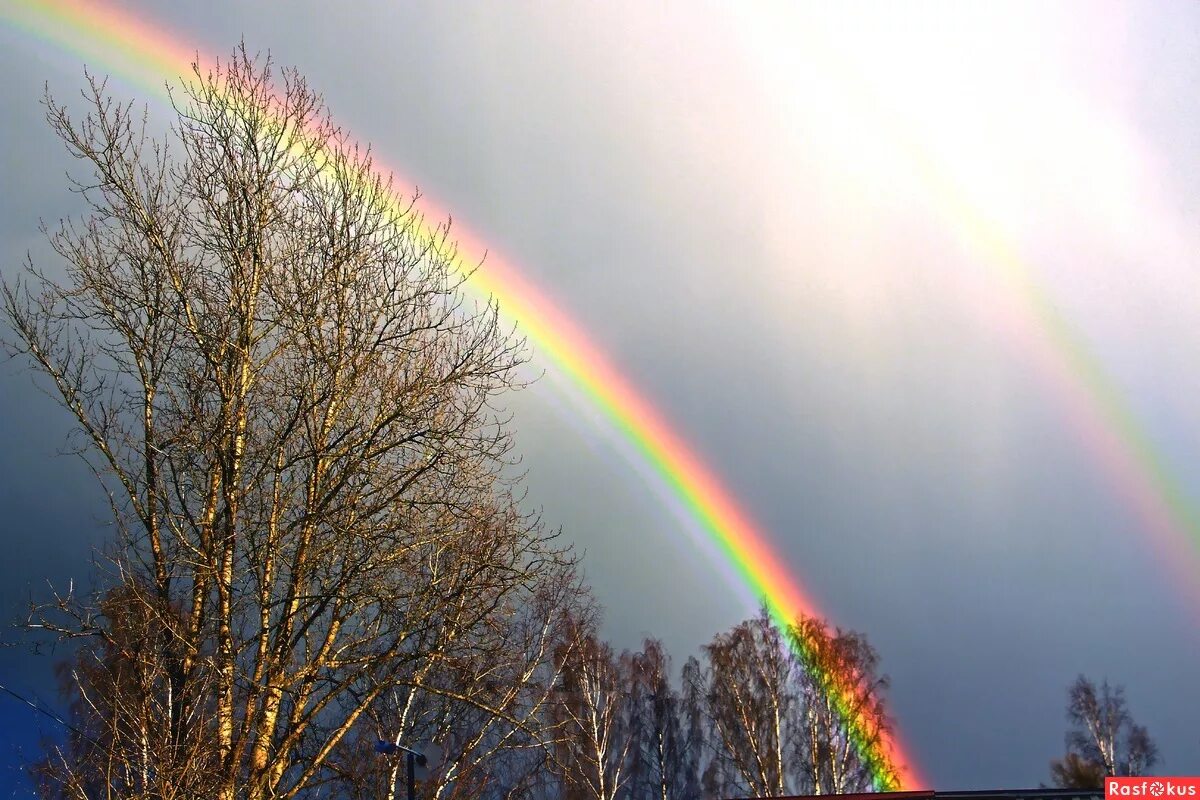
(751, 717)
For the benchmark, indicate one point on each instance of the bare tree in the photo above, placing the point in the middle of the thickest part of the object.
(492, 711)
(801, 711)
(293, 407)
(695, 727)
(1103, 738)
(657, 760)
(750, 699)
(594, 744)
(843, 718)
(121, 709)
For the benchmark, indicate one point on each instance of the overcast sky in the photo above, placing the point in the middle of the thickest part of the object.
(811, 239)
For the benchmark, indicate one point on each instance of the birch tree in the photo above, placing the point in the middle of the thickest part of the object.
(839, 682)
(772, 710)
(293, 406)
(594, 741)
(1103, 738)
(657, 761)
(750, 699)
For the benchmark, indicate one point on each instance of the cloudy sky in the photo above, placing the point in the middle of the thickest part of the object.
(920, 283)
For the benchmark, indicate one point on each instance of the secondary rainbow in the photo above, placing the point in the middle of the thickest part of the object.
(141, 53)
(1021, 306)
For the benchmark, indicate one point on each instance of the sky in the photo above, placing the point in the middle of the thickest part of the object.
(869, 263)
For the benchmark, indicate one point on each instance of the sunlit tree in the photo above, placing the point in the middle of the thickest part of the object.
(293, 408)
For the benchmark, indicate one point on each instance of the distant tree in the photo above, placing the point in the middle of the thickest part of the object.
(840, 681)
(694, 729)
(592, 712)
(491, 715)
(750, 699)
(1103, 738)
(1072, 771)
(657, 761)
(776, 709)
(125, 726)
(294, 410)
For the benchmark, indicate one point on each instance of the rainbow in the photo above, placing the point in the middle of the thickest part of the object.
(1030, 317)
(141, 53)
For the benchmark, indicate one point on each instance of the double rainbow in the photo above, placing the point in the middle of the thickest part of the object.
(1093, 401)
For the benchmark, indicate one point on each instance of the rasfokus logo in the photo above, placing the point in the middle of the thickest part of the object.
(1152, 787)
